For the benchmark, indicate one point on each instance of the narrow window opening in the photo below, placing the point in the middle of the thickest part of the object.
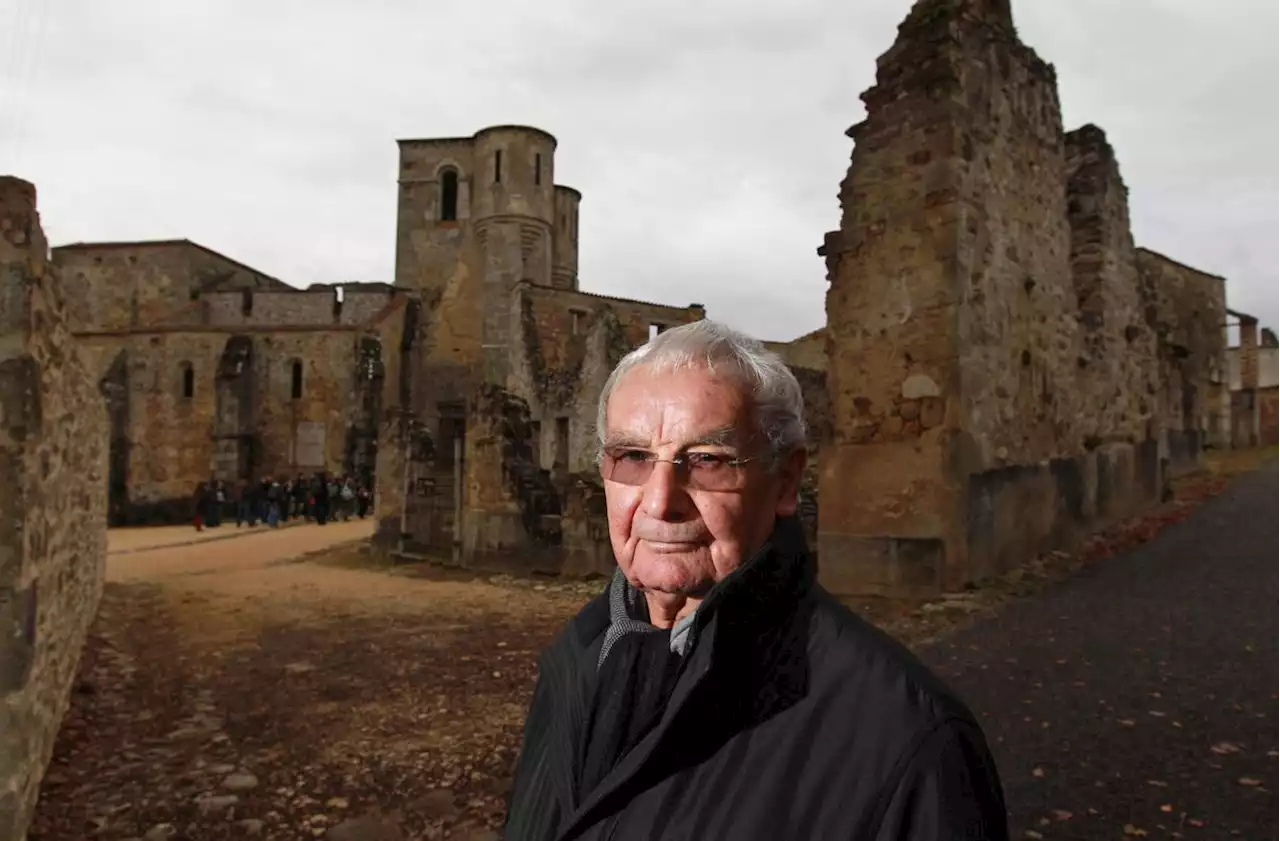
(535, 441)
(562, 443)
(575, 322)
(452, 427)
(497, 167)
(246, 302)
(188, 381)
(449, 196)
(295, 380)
(654, 330)
(337, 303)
(537, 169)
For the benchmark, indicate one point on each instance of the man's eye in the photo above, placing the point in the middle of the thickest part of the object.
(631, 455)
(708, 461)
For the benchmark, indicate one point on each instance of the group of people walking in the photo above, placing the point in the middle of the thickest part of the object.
(273, 501)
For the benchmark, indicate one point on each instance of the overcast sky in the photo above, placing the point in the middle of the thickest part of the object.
(707, 138)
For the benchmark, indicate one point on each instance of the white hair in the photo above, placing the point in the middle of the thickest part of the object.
(774, 391)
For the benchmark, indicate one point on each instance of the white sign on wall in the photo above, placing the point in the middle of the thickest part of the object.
(309, 444)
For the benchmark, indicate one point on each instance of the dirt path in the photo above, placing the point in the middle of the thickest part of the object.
(232, 691)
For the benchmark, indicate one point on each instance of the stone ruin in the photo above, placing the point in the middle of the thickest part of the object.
(53, 471)
(1002, 370)
(215, 370)
(1007, 372)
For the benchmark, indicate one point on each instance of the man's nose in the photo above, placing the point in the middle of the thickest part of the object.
(664, 495)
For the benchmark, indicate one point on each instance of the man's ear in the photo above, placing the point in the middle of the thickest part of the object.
(790, 473)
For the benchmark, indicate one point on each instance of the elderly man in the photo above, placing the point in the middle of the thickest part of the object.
(715, 690)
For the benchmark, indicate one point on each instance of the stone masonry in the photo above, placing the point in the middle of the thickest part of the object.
(488, 456)
(214, 369)
(53, 463)
(1003, 364)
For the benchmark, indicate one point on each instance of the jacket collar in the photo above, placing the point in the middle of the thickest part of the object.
(747, 663)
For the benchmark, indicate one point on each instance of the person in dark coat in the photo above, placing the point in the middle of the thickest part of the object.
(322, 498)
(200, 502)
(715, 690)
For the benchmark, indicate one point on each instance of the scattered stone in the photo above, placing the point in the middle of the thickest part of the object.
(366, 828)
(160, 832)
(337, 803)
(221, 768)
(208, 803)
(436, 804)
(251, 826)
(299, 668)
(240, 782)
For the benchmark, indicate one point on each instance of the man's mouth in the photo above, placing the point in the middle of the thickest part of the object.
(670, 545)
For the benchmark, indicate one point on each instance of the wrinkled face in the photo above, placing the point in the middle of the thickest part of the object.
(668, 534)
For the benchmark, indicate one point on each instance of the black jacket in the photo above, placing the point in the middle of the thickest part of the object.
(792, 719)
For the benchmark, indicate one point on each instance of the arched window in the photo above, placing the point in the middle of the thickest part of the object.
(295, 380)
(449, 195)
(188, 381)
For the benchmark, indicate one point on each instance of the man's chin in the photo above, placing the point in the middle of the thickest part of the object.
(669, 572)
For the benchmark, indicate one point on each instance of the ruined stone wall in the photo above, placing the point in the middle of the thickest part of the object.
(1268, 367)
(1268, 416)
(170, 442)
(53, 465)
(116, 286)
(955, 346)
(807, 351)
(512, 509)
(1188, 317)
(544, 510)
(316, 306)
(1117, 367)
(817, 414)
(570, 342)
(167, 446)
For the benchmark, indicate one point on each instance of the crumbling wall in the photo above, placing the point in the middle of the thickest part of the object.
(1268, 416)
(955, 339)
(513, 510)
(1188, 315)
(116, 286)
(1269, 365)
(297, 425)
(343, 304)
(807, 351)
(817, 414)
(569, 343)
(53, 471)
(1117, 365)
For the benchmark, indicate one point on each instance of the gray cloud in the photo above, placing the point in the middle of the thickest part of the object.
(707, 138)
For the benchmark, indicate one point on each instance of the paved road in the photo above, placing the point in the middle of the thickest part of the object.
(1142, 693)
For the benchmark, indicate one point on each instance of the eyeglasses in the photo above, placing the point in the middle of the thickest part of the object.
(700, 471)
